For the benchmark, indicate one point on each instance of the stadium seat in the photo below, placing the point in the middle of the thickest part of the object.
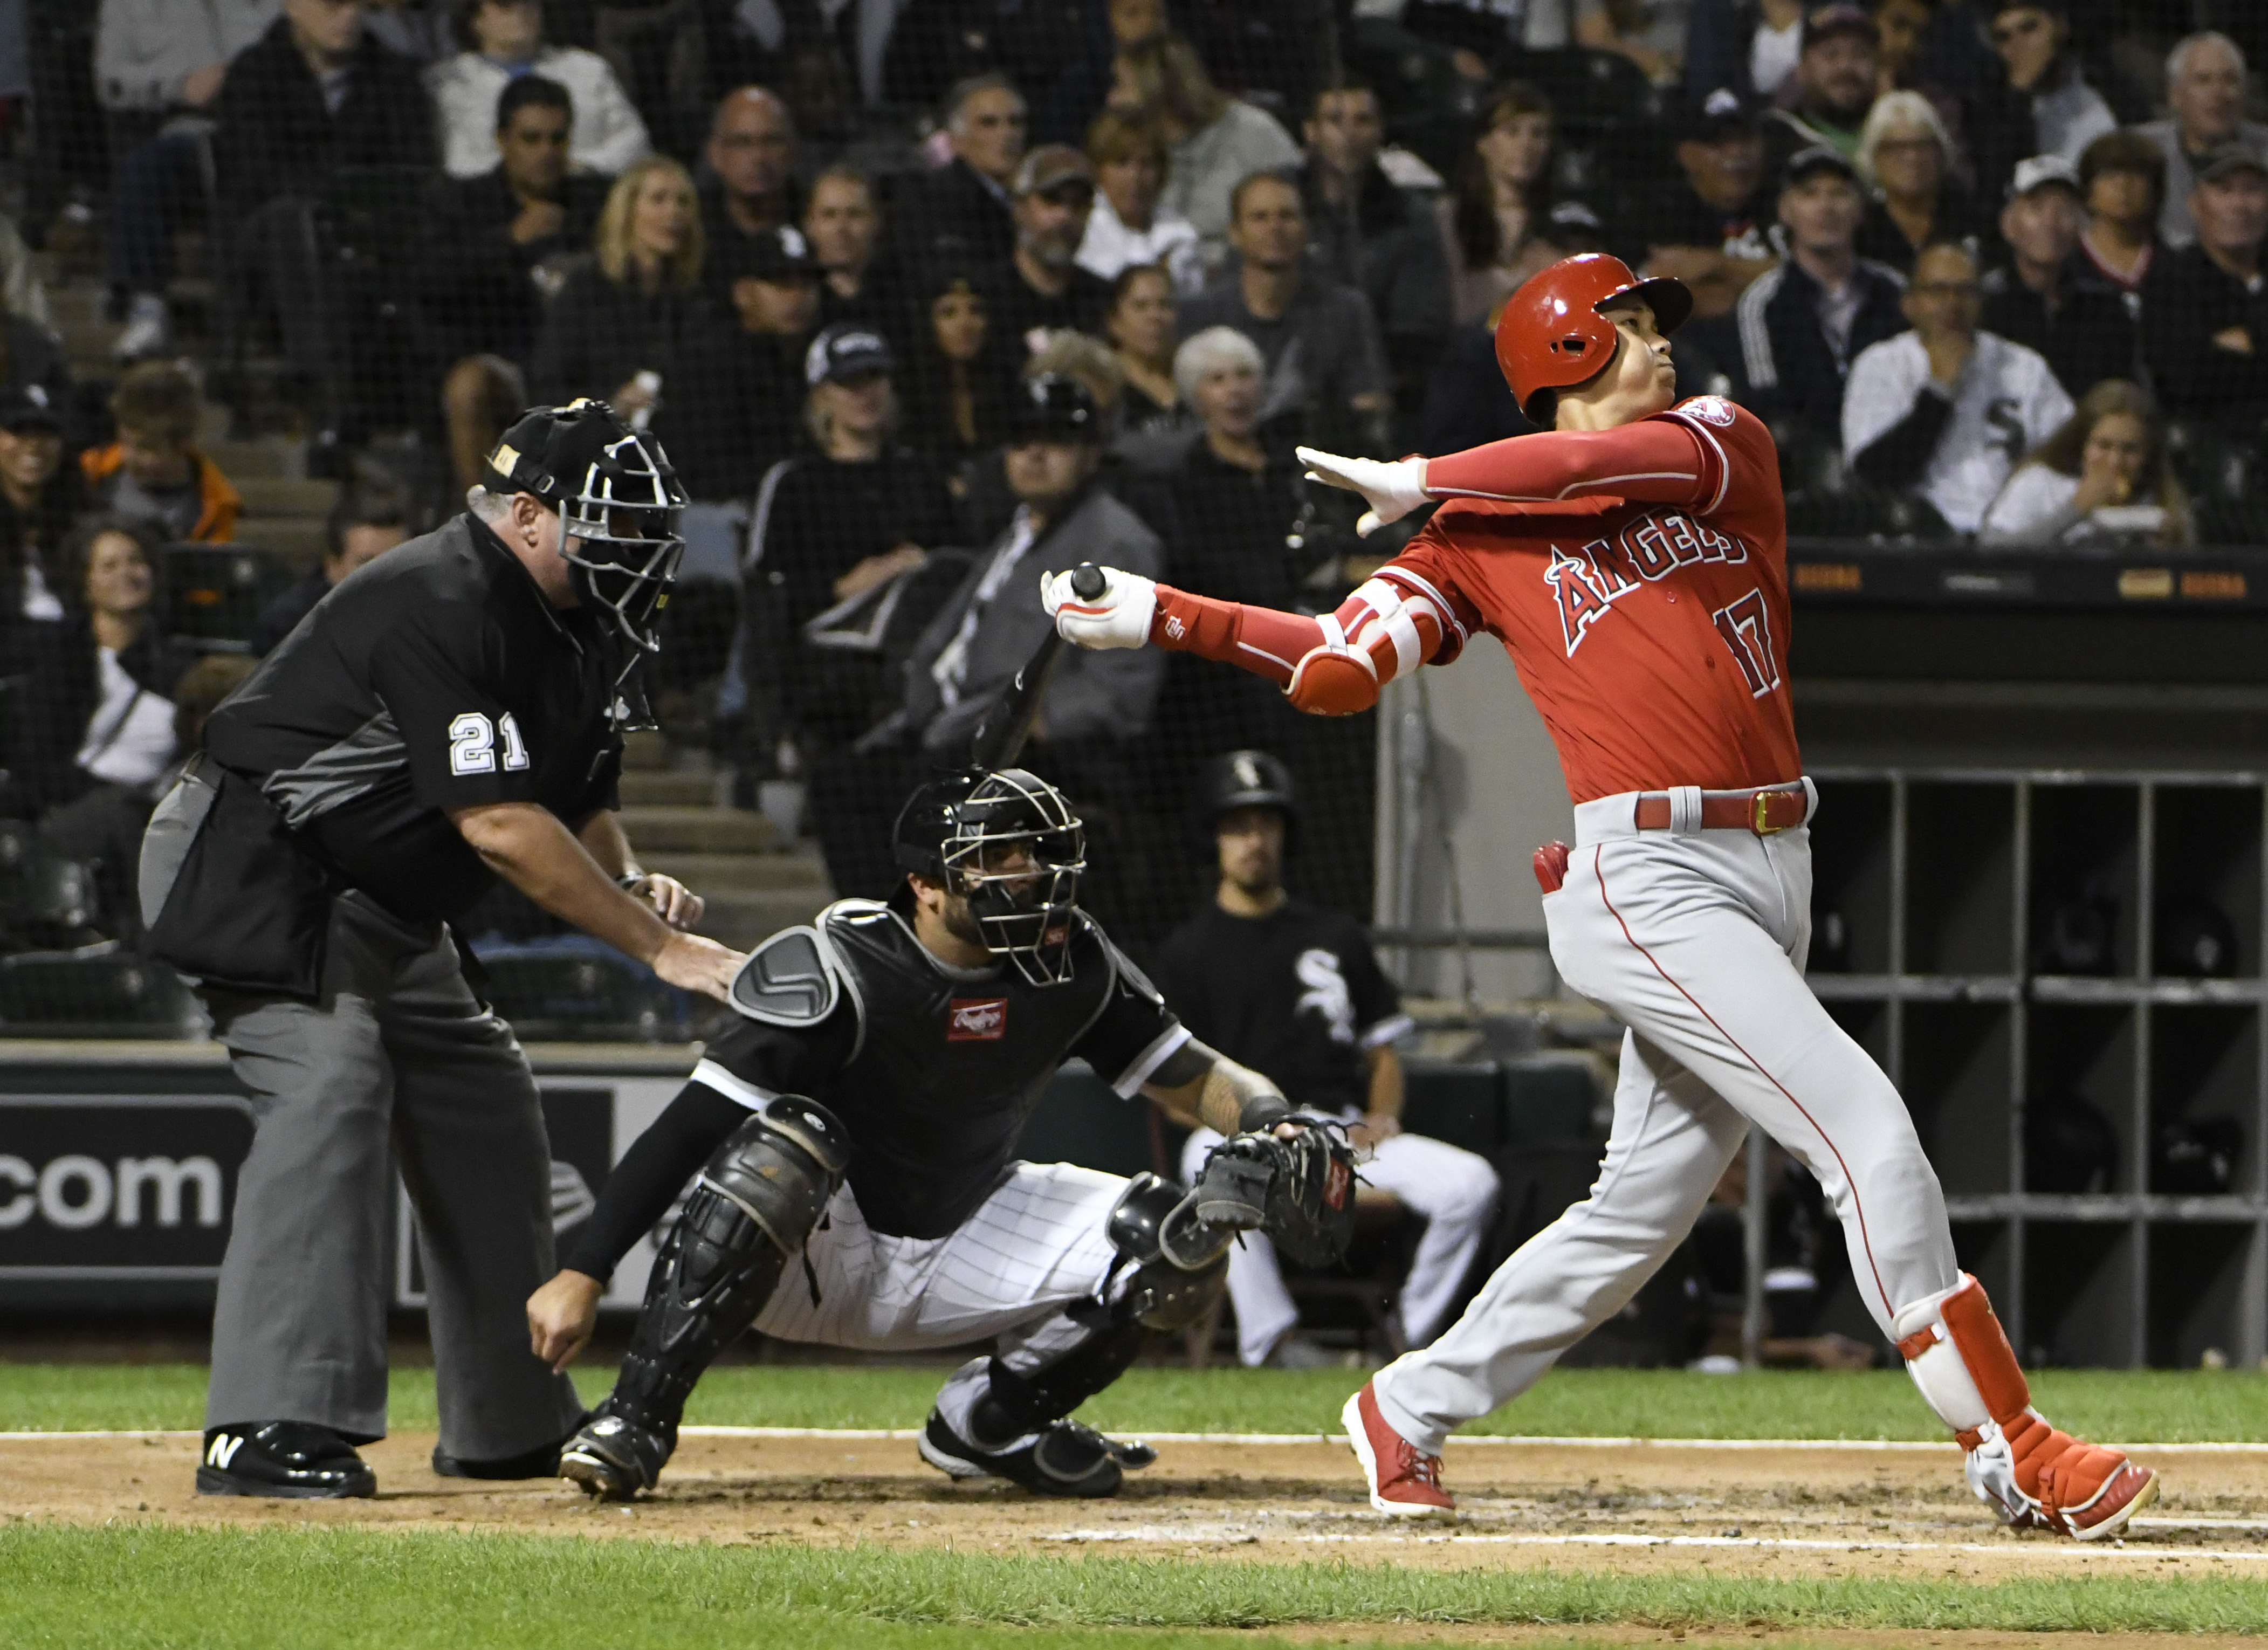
(212, 594)
(572, 988)
(102, 991)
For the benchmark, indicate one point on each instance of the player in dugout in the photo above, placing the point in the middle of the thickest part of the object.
(1631, 557)
(1295, 993)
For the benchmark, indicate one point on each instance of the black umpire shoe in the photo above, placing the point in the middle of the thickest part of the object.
(295, 1460)
(614, 1458)
(542, 1461)
(1067, 1458)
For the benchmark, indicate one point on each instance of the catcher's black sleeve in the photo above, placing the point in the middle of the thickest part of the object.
(641, 1187)
(1134, 1034)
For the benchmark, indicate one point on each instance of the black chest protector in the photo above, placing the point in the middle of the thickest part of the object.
(944, 1065)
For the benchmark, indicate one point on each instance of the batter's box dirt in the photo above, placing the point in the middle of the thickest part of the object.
(1802, 1511)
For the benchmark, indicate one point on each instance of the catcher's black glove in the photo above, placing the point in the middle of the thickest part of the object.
(1299, 1189)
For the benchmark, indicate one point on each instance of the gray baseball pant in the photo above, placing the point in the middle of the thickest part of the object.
(396, 1049)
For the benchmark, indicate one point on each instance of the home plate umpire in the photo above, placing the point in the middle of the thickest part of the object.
(449, 713)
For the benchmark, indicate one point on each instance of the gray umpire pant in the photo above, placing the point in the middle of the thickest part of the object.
(395, 1048)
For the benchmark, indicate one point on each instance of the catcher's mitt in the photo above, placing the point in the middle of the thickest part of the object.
(1299, 1189)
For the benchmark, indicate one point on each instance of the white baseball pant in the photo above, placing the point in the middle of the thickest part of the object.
(1034, 1247)
(1696, 941)
(1454, 1189)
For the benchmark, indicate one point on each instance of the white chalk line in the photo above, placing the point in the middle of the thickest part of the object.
(1236, 1535)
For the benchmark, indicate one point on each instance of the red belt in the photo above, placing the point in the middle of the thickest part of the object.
(1766, 813)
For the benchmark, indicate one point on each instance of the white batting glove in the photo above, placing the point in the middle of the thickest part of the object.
(1392, 490)
(1119, 617)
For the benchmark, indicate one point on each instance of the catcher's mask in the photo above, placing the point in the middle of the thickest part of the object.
(1009, 842)
(618, 505)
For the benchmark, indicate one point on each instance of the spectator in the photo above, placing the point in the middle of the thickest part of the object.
(1496, 220)
(1947, 410)
(159, 68)
(1709, 226)
(95, 715)
(1126, 229)
(963, 212)
(40, 499)
(313, 96)
(2046, 297)
(2205, 88)
(2122, 180)
(1901, 27)
(2043, 104)
(1467, 403)
(754, 383)
(494, 249)
(2104, 476)
(1825, 103)
(370, 517)
(1041, 289)
(1650, 32)
(1366, 233)
(1747, 46)
(961, 372)
(1140, 326)
(419, 30)
(507, 39)
(1215, 141)
(1234, 497)
(837, 528)
(22, 293)
(843, 223)
(625, 327)
(2205, 306)
(1325, 369)
(1906, 158)
(1802, 324)
(751, 155)
(155, 472)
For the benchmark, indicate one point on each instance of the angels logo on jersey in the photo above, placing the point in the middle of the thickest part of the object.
(976, 1019)
(1588, 582)
(1710, 410)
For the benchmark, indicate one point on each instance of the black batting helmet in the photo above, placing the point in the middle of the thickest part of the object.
(1249, 778)
(617, 499)
(1009, 841)
(1053, 406)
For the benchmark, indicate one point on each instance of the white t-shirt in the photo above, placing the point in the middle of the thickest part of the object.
(130, 738)
(1110, 247)
(2006, 403)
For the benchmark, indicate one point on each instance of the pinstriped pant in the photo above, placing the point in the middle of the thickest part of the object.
(1696, 944)
(1034, 1248)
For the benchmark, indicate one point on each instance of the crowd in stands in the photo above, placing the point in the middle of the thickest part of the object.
(922, 293)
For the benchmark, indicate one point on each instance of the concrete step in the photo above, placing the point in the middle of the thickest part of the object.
(699, 830)
(87, 341)
(267, 457)
(743, 874)
(73, 301)
(667, 787)
(645, 750)
(275, 496)
(744, 921)
(298, 539)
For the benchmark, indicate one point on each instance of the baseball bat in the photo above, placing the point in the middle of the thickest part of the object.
(1000, 736)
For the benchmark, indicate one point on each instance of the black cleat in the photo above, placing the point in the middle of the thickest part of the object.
(1067, 1458)
(542, 1461)
(614, 1458)
(294, 1460)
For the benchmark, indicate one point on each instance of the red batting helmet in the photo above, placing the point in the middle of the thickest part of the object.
(1551, 335)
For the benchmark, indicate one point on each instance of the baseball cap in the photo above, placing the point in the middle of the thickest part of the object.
(1804, 163)
(778, 255)
(29, 407)
(1050, 166)
(1055, 405)
(842, 353)
(2224, 158)
(2039, 171)
(1723, 111)
(1574, 217)
(1829, 21)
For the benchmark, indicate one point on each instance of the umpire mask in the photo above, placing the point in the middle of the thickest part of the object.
(619, 505)
(1009, 842)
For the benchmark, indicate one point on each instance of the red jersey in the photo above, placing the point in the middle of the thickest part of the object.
(1651, 631)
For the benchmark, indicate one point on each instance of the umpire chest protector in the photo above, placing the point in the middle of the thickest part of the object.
(932, 1069)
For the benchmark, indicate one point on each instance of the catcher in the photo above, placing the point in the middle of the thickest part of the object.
(856, 1183)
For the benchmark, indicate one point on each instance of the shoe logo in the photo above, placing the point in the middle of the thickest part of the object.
(223, 1450)
(982, 1020)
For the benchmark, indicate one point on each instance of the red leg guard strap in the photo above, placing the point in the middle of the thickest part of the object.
(1983, 1346)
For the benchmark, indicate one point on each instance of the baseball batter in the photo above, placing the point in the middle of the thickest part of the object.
(1632, 561)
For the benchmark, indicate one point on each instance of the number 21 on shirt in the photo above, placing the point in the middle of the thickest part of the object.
(472, 744)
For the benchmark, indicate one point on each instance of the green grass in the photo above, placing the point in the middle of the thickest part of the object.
(2137, 1407)
(130, 1586)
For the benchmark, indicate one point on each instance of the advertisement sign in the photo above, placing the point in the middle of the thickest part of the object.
(118, 1187)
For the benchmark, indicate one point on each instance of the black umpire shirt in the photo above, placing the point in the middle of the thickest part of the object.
(437, 677)
(1297, 994)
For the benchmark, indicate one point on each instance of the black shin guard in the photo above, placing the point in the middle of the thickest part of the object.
(752, 1207)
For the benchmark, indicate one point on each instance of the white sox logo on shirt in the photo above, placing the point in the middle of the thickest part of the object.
(980, 1020)
(1327, 993)
(1589, 581)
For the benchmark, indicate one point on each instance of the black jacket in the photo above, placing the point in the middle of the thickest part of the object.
(2186, 300)
(953, 214)
(476, 286)
(1390, 248)
(1786, 367)
(2087, 336)
(57, 690)
(275, 136)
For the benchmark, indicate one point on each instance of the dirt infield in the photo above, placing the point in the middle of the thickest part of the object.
(1795, 1512)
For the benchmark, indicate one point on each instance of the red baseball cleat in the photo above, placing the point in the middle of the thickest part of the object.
(1402, 1482)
